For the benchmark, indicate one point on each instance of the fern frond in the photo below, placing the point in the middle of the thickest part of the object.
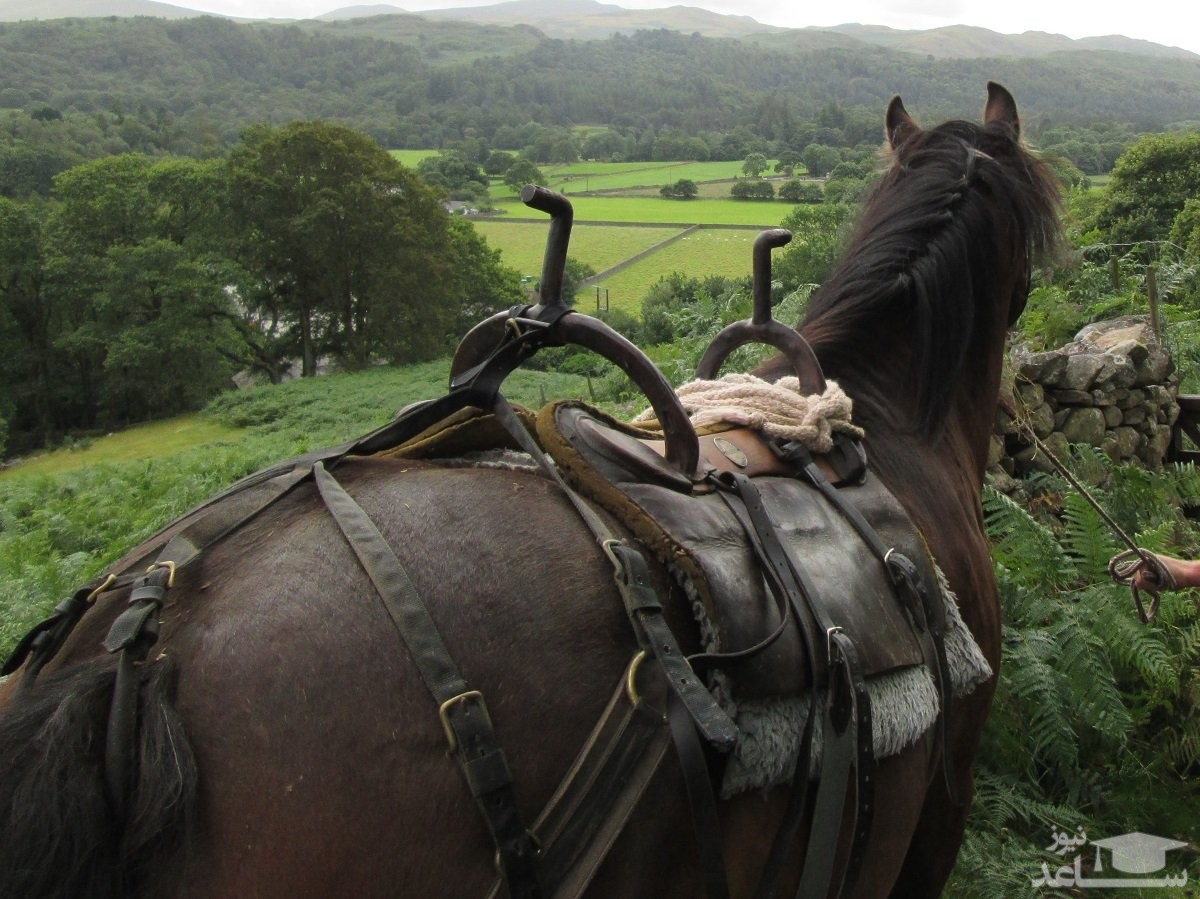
(1181, 745)
(1034, 680)
(1144, 650)
(1087, 536)
(1087, 672)
(1027, 548)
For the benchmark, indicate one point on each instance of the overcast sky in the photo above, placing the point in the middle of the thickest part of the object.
(1175, 23)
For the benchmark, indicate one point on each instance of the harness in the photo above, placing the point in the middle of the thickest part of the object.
(662, 698)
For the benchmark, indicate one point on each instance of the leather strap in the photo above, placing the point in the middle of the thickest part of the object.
(846, 725)
(701, 800)
(925, 609)
(839, 748)
(632, 575)
(132, 634)
(463, 710)
(588, 811)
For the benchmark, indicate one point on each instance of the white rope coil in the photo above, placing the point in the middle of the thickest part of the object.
(777, 409)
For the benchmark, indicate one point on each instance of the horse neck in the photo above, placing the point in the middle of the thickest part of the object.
(880, 371)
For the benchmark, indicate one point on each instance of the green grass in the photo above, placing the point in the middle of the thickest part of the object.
(705, 252)
(410, 158)
(583, 177)
(140, 442)
(588, 177)
(523, 244)
(655, 210)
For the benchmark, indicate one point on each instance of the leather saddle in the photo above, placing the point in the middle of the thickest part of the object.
(690, 527)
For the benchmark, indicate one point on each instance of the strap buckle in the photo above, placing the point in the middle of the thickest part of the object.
(447, 707)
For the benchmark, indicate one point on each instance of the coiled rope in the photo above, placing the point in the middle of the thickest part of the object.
(776, 408)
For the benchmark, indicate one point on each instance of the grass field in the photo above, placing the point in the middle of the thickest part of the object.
(523, 244)
(602, 237)
(654, 210)
(410, 158)
(702, 253)
(582, 177)
(133, 444)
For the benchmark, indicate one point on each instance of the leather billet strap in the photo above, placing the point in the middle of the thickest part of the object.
(132, 634)
(925, 609)
(463, 711)
(598, 795)
(846, 725)
(632, 575)
(644, 608)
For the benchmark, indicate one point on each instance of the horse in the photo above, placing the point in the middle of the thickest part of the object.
(283, 741)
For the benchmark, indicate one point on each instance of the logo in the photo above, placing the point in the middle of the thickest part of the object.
(1130, 854)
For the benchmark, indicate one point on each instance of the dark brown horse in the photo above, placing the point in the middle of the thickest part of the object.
(285, 745)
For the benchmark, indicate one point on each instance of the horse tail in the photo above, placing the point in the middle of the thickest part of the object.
(62, 836)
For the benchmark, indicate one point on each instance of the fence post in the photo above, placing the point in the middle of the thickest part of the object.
(1152, 299)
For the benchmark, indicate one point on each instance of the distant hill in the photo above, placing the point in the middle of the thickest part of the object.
(594, 20)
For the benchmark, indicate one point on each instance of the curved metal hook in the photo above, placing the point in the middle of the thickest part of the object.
(763, 328)
(497, 345)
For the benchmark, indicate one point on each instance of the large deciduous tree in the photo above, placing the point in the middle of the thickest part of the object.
(348, 251)
(1150, 184)
(135, 269)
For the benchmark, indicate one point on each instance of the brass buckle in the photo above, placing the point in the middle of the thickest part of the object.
(91, 597)
(170, 566)
(444, 714)
(631, 677)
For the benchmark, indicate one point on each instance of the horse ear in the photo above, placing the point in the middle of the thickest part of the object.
(899, 124)
(1001, 107)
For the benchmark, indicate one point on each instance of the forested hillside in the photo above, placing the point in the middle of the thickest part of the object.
(191, 85)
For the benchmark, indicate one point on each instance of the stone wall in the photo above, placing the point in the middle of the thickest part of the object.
(1113, 387)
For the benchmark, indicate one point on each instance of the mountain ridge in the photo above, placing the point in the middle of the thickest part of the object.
(592, 19)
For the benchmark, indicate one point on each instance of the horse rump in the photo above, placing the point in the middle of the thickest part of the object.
(62, 835)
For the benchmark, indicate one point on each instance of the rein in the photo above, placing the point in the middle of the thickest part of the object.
(1124, 566)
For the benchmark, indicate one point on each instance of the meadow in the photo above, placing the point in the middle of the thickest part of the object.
(523, 244)
(708, 251)
(591, 177)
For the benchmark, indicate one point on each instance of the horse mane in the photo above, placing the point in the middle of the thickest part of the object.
(959, 206)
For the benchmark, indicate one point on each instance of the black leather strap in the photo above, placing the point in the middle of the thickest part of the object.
(463, 711)
(701, 800)
(132, 634)
(924, 606)
(840, 751)
(846, 714)
(642, 604)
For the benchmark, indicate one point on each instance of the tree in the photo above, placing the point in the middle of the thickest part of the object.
(456, 175)
(820, 159)
(817, 233)
(753, 190)
(683, 189)
(348, 251)
(788, 162)
(27, 352)
(755, 165)
(1150, 185)
(523, 172)
(798, 191)
(137, 275)
(483, 284)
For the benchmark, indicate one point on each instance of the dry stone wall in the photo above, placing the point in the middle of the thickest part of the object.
(1113, 387)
